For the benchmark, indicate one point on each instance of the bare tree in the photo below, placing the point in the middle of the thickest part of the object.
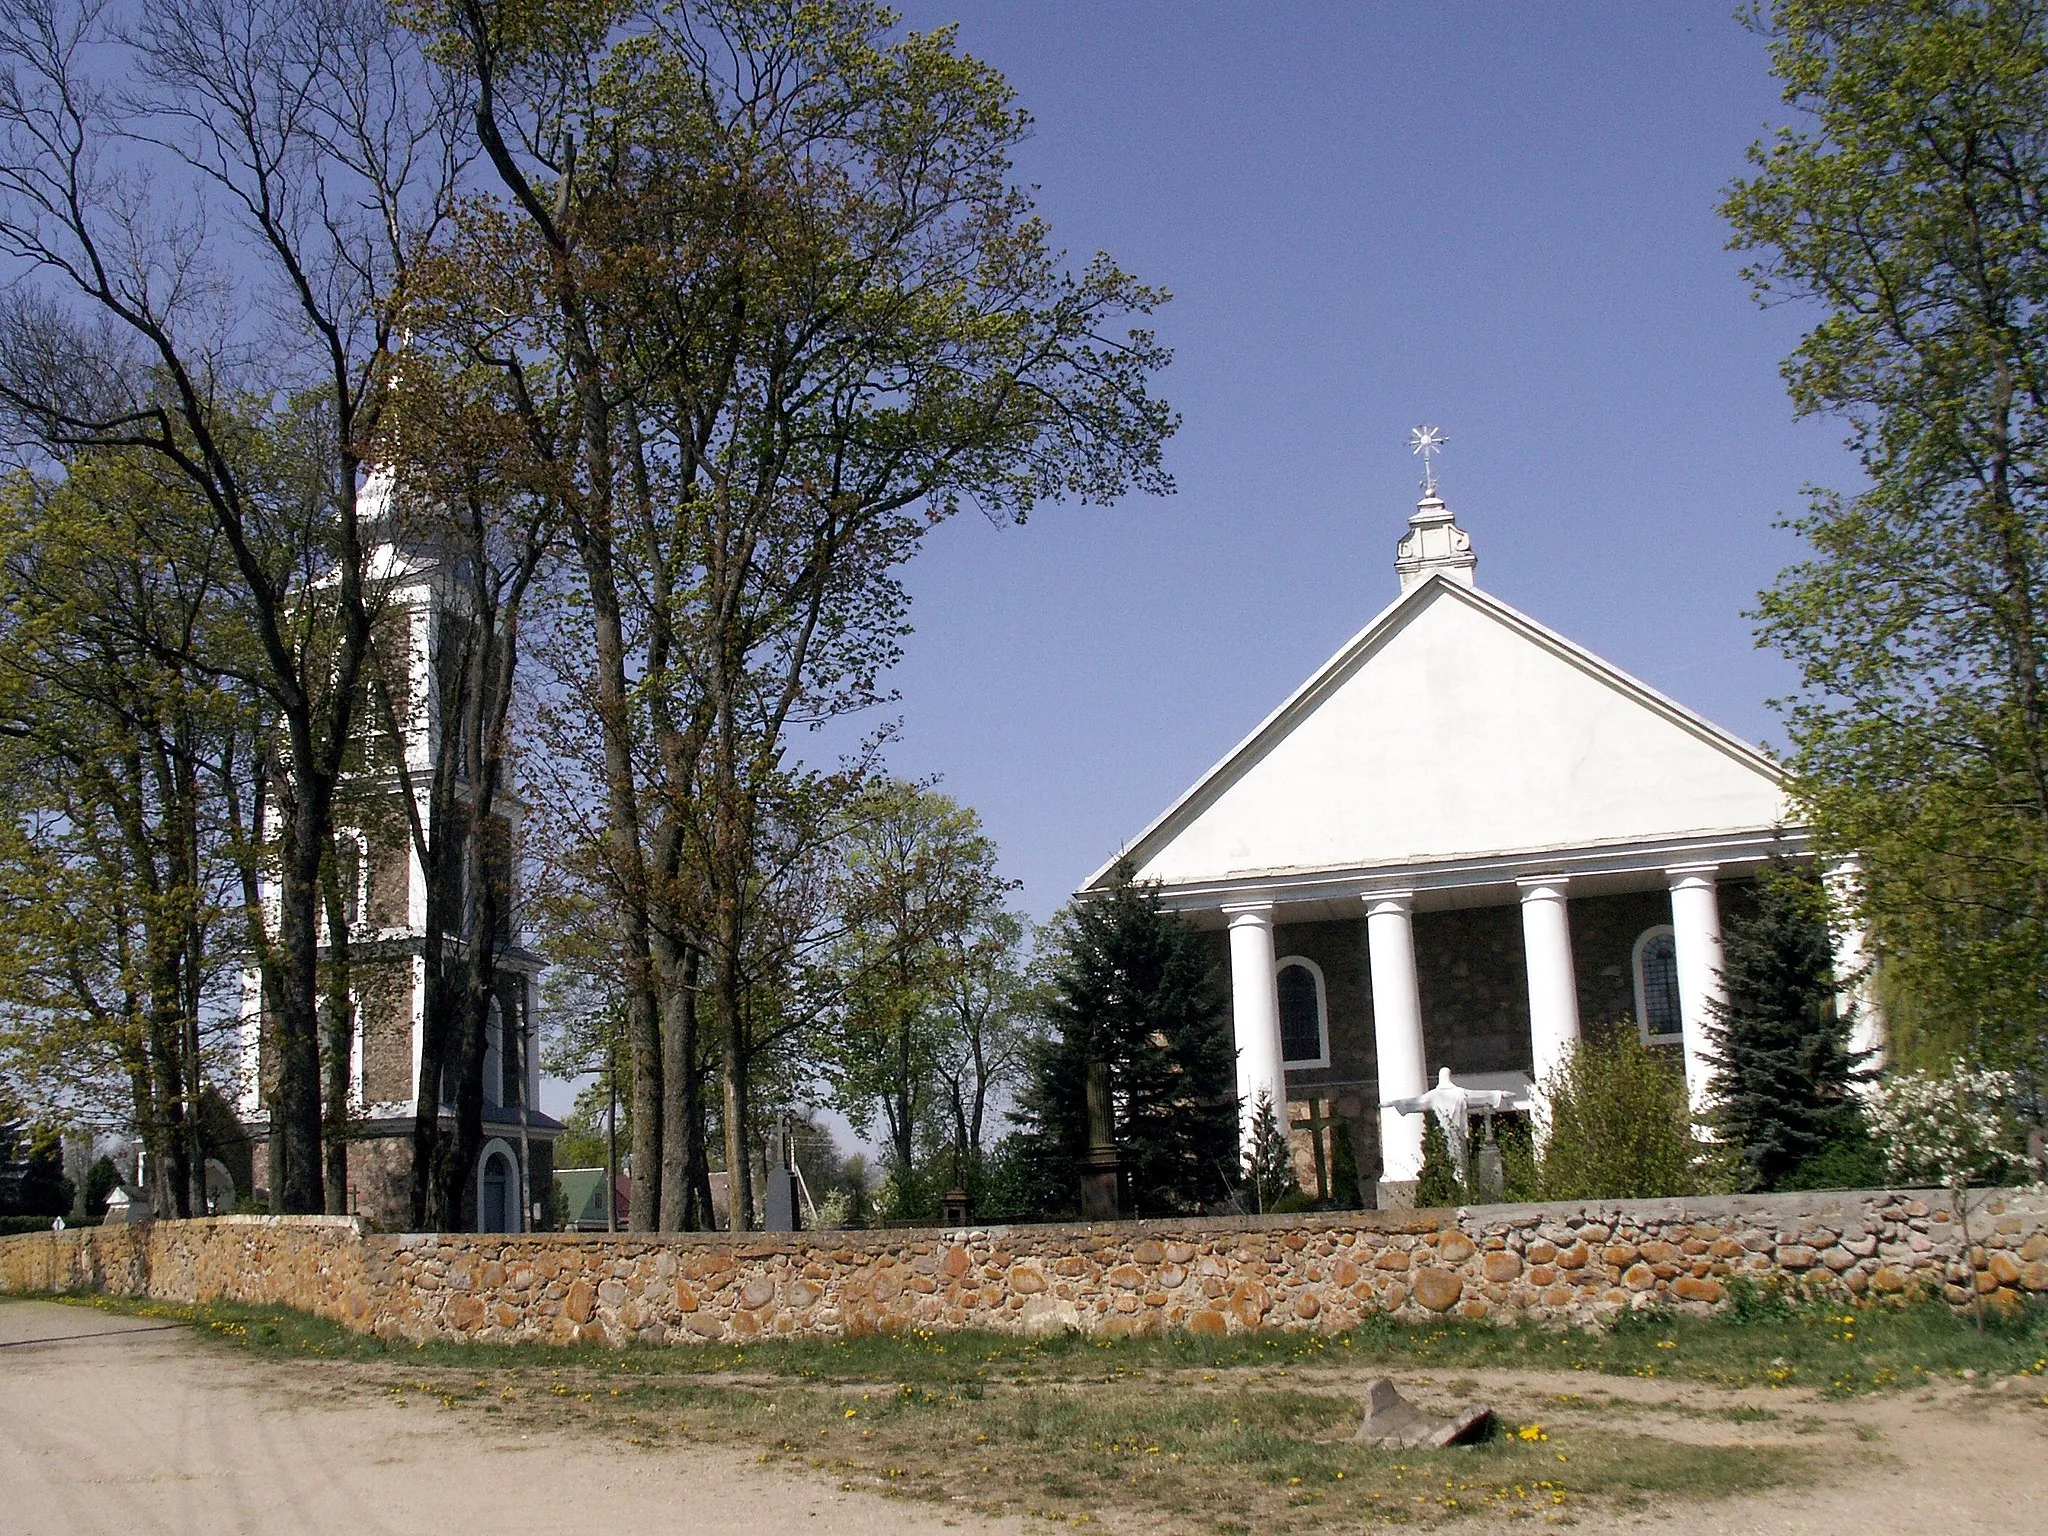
(208, 208)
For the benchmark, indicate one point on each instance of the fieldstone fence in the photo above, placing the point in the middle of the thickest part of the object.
(1578, 1264)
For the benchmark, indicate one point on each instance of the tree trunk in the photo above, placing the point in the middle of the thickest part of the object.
(680, 1137)
(429, 1209)
(295, 1105)
(482, 905)
(643, 1020)
(339, 1033)
(739, 1184)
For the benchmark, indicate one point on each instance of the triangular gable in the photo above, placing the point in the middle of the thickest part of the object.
(1453, 726)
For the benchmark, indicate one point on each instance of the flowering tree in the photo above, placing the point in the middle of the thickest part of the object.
(1957, 1129)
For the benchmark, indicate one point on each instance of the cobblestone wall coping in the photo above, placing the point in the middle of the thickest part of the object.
(1577, 1264)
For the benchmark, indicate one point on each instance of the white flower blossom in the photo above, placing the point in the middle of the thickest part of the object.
(1956, 1129)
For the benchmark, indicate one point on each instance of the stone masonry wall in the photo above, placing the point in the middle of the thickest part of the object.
(1568, 1264)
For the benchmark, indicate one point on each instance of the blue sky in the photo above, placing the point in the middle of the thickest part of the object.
(1497, 218)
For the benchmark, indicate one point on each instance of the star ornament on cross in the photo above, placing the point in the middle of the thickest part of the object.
(1429, 442)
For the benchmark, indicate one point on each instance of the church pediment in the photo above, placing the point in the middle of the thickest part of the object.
(1454, 727)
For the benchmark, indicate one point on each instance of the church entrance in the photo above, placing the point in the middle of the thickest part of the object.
(497, 1206)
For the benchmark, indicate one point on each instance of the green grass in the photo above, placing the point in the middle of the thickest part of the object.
(1082, 1428)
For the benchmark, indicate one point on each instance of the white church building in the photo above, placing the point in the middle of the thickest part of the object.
(1458, 844)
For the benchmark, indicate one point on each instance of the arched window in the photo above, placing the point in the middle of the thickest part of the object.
(1656, 968)
(1304, 1013)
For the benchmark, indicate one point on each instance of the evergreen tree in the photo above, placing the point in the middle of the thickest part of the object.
(1269, 1160)
(101, 1180)
(12, 1147)
(1782, 1064)
(1443, 1182)
(32, 1181)
(1344, 1181)
(1132, 985)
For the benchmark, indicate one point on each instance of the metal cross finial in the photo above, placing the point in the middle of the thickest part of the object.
(1428, 441)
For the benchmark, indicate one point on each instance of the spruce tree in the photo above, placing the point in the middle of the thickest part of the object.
(1133, 986)
(1269, 1159)
(1783, 1069)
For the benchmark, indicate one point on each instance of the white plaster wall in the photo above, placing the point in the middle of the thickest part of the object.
(1454, 734)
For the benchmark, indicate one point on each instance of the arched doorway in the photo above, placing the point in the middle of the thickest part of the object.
(497, 1194)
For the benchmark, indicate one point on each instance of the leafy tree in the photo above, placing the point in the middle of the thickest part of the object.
(917, 884)
(770, 303)
(117, 856)
(1783, 1070)
(1906, 206)
(1616, 1123)
(1132, 986)
(583, 1142)
(464, 514)
(1961, 1128)
(995, 1014)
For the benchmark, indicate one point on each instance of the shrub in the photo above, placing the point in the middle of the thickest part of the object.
(1853, 1161)
(1618, 1126)
(32, 1182)
(14, 1226)
(1520, 1164)
(1751, 1302)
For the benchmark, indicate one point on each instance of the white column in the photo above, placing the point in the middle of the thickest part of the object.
(1553, 981)
(1397, 1030)
(1255, 1014)
(1854, 963)
(1696, 937)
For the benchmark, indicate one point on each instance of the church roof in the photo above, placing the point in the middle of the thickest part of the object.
(1453, 727)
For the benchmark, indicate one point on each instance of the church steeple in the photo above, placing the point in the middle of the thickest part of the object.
(1434, 542)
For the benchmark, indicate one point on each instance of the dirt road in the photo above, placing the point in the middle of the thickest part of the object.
(116, 1426)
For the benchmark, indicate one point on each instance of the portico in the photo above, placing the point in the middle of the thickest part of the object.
(1400, 935)
(1464, 842)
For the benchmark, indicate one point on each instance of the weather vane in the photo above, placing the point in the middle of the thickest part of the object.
(1429, 442)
